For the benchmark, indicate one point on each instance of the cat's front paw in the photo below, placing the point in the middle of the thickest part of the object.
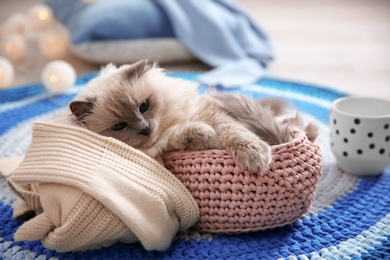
(194, 136)
(253, 156)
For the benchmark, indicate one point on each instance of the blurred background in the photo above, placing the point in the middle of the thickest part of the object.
(338, 44)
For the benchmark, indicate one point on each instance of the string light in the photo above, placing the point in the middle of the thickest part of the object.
(41, 16)
(40, 29)
(54, 42)
(16, 23)
(6, 72)
(58, 76)
(14, 47)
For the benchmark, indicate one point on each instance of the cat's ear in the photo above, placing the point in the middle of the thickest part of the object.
(109, 68)
(136, 70)
(81, 109)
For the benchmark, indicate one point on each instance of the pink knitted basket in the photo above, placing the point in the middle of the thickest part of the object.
(232, 200)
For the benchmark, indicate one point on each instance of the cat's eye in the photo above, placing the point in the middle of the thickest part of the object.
(144, 106)
(119, 126)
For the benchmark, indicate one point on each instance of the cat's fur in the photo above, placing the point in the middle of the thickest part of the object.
(141, 106)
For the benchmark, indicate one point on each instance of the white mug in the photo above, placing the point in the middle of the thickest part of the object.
(360, 134)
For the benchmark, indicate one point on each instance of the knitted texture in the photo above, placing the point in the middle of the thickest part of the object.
(76, 221)
(233, 200)
(349, 217)
(90, 190)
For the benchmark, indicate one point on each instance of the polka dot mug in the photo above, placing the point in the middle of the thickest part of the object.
(360, 134)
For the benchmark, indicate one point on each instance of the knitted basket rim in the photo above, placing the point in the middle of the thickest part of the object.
(299, 137)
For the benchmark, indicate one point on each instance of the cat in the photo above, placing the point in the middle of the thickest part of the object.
(141, 106)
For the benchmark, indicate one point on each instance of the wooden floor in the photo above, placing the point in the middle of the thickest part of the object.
(340, 44)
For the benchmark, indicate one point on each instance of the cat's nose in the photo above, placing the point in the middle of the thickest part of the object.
(145, 131)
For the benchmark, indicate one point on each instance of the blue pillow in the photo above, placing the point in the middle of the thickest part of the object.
(107, 20)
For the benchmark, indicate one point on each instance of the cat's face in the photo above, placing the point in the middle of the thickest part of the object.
(130, 103)
(121, 104)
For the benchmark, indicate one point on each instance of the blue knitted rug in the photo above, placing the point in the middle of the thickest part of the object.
(349, 219)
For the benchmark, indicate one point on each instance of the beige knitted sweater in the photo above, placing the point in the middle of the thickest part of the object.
(91, 191)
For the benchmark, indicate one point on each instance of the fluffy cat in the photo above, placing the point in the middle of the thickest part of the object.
(142, 107)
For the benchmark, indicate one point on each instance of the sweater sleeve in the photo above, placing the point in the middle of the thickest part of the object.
(151, 202)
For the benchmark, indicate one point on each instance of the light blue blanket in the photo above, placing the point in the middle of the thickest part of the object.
(218, 32)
